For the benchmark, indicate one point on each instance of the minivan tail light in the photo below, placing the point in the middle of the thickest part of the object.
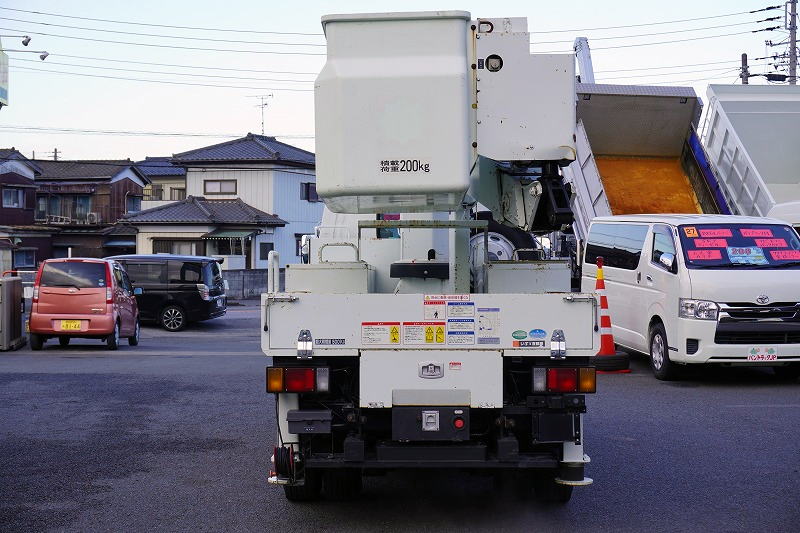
(205, 291)
(36, 285)
(109, 292)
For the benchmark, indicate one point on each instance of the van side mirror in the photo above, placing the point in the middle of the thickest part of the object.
(668, 260)
(137, 291)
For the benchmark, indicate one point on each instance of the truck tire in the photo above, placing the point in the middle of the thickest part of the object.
(548, 491)
(308, 491)
(789, 372)
(342, 484)
(663, 368)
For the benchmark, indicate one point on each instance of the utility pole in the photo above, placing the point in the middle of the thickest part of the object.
(745, 74)
(55, 154)
(792, 22)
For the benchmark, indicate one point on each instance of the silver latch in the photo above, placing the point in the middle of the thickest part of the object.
(305, 345)
(558, 345)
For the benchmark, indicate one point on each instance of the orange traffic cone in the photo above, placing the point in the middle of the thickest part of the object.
(608, 358)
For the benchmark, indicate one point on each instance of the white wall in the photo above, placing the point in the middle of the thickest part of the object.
(18, 167)
(254, 187)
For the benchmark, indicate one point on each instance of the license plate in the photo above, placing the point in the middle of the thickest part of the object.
(762, 353)
(70, 325)
(219, 303)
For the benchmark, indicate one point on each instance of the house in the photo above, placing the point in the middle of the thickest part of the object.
(225, 228)
(22, 243)
(83, 199)
(270, 176)
(167, 181)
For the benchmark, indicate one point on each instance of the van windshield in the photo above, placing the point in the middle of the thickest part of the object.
(748, 246)
(79, 274)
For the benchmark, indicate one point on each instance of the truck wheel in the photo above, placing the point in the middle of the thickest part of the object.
(548, 491)
(663, 368)
(789, 372)
(63, 341)
(36, 341)
(342, 484)
(307, 492)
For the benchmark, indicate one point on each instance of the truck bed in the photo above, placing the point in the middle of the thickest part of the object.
(668, 189)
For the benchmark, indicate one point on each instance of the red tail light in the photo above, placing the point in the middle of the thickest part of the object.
(36, 284)
(298, 379)
(562, 379)
(109, 292)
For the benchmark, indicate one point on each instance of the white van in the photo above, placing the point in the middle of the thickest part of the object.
(692, 289)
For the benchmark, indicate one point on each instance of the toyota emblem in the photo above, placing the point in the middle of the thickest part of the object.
(762, 299)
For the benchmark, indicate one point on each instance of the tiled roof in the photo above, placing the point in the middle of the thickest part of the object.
(159, 166)
(13, 153)
(252, 148)
(95, 169)
(198, 210)
(635, 90)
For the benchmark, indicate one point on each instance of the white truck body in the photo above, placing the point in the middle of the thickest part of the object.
(751, 137)
(389, 350)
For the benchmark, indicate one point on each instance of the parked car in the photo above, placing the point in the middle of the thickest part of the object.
(83, 298)
(700, 289)
(176, 289)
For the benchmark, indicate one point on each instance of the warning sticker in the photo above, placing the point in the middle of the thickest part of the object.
(690, 231)
(423, 332)
(460, 309)
(461, 324)
(528, 344)
(488, 325)
(460, 337)
(380, 333)
(435, 309)
(447, 297)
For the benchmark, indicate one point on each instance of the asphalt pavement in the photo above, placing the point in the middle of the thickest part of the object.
(175, 435)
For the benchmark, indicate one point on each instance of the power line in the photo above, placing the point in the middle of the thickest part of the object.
(657, 23)
(236, 30)
(658, 68)
(50, 129)
(672, 73)
(184, 66)
(662, 42)
(162, 81)
(176, 47)
(161, 35)
(160, 72)
(663, 32)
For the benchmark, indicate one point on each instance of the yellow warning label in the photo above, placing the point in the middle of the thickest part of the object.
(690, 232)
(439, 334)
(429, 335)
(394, 335)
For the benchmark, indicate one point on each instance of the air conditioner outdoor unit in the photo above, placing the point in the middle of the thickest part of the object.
(92, 218)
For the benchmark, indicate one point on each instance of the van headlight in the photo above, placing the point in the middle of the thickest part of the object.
(699, 309)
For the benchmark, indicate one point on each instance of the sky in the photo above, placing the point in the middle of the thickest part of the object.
(277, 48)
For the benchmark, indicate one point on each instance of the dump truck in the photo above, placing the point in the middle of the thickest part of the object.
(751, 137)
(638, 151)
(394, 347)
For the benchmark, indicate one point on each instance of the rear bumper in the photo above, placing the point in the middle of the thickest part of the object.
(213, 308)
(91, 325)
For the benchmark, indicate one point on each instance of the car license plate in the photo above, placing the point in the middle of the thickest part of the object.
(219, 302)
(762, 353)
(70, 325)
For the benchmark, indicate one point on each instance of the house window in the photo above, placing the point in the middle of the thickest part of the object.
(219, 186)
(264, 248)
(229, 247)
(24, 258)
(163, 246)
(14, 198)
(177, 194)
(308, 192)
(156, 192)
(133, 204)
(298, 244)
(41, 208)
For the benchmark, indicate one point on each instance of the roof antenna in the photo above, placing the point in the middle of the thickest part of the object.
(263, 105)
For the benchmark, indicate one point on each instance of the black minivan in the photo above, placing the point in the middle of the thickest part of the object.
(176, 289)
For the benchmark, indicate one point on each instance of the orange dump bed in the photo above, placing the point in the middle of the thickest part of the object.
(646, 185)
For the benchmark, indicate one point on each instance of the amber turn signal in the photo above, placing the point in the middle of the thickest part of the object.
(274, 379)
(587, 380)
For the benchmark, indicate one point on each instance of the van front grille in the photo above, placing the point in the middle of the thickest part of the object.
(756, 337)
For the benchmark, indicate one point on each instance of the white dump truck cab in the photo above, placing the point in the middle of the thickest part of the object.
(398, 344)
